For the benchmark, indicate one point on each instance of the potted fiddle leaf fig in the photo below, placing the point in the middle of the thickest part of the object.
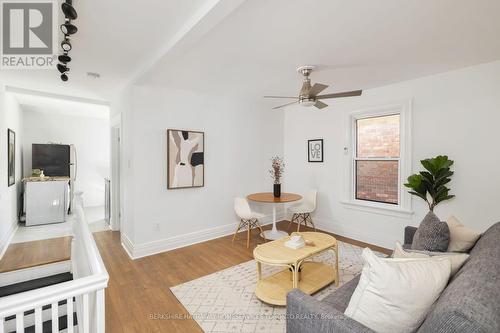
(430, 185)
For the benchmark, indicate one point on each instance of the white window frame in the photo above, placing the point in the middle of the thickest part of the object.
(403, 208)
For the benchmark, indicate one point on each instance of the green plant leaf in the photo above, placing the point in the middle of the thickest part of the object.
(442, 181)
(427, 175)
(442, 162)
(444, 198)
(420, 195)
(429, 165)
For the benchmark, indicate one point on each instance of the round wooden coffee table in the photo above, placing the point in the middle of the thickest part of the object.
(268, 197)
(309, 276)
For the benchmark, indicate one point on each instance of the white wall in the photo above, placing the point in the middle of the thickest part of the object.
(240, 139)
(10, 117)
(455, 113)
(89, 135)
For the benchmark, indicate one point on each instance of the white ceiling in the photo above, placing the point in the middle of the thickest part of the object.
(115, 39)
(61, 105)
(246, 49)
(357, 44)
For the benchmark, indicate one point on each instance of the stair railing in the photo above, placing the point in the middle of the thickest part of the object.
(83, 295)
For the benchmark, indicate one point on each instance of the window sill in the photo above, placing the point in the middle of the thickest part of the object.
(377, 208)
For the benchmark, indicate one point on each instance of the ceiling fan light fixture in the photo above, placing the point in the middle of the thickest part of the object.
(307, 102)
(68, 10)
(68, 28)
(309, 94)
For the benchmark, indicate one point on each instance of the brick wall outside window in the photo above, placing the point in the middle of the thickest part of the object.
(377, 180)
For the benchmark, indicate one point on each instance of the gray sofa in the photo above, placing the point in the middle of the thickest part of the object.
(470, 302)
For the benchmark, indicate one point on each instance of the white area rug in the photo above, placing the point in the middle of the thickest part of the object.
(225, 301)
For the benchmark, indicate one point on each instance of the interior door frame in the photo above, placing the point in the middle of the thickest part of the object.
(116, 153)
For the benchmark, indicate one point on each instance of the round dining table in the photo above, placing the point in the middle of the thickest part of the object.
(269, 198)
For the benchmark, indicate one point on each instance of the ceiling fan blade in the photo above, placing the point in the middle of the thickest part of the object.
(317, 88)
(280, 97)
(281, 106)
(320, 105)
(341, 94)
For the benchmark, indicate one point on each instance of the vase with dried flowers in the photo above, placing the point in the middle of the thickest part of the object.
(276, 172)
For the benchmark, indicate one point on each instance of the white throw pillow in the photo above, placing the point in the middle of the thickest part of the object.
(395, 295)
(462, 239)
(457, 259)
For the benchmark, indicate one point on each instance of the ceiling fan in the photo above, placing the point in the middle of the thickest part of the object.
(308, 95)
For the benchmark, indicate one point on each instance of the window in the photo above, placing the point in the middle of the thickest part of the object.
(377, 159)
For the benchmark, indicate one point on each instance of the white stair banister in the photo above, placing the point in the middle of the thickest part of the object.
(55, 317)
(20, 322)
(86, 320)
(38, 320)
(69, 314)
(90, 279)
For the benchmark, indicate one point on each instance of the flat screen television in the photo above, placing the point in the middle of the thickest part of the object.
(53, 159)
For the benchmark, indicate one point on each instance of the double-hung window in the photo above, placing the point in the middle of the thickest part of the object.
(379, 146)
(377, 159)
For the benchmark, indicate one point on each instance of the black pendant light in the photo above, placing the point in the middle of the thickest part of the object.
(68, 28)
(68, 10)
(66, 45)
(65, 58)
(62, 68)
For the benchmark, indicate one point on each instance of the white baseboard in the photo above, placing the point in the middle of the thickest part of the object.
(136, 251)
(5, 241)
(127, 245)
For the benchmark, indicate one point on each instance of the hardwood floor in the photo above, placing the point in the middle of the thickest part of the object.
(35, 253)
(139, 289)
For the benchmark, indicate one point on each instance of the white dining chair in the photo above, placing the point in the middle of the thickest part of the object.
(303, 210)
(248, 219)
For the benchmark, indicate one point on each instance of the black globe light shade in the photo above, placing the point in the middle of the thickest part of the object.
(64, 58)
(64, 77)
(62, 68)
(68, 10)
(68, 28)
(66, 45)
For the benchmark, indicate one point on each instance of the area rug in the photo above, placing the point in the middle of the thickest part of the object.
(225, 301)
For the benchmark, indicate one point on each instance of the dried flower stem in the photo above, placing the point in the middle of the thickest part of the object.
(277, 169)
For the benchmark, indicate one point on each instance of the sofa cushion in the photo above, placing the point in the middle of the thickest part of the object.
(341, 297)
(470, 301)
(457, 259)
(462, 239)
(431, 235)
(395, 295)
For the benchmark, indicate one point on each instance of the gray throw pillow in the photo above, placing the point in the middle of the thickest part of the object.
(432, 235)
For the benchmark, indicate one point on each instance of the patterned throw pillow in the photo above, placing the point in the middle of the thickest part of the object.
(432, 235)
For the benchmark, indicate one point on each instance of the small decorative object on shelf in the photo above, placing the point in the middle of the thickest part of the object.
(276, 172)
(296, 242)
(430, 185)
